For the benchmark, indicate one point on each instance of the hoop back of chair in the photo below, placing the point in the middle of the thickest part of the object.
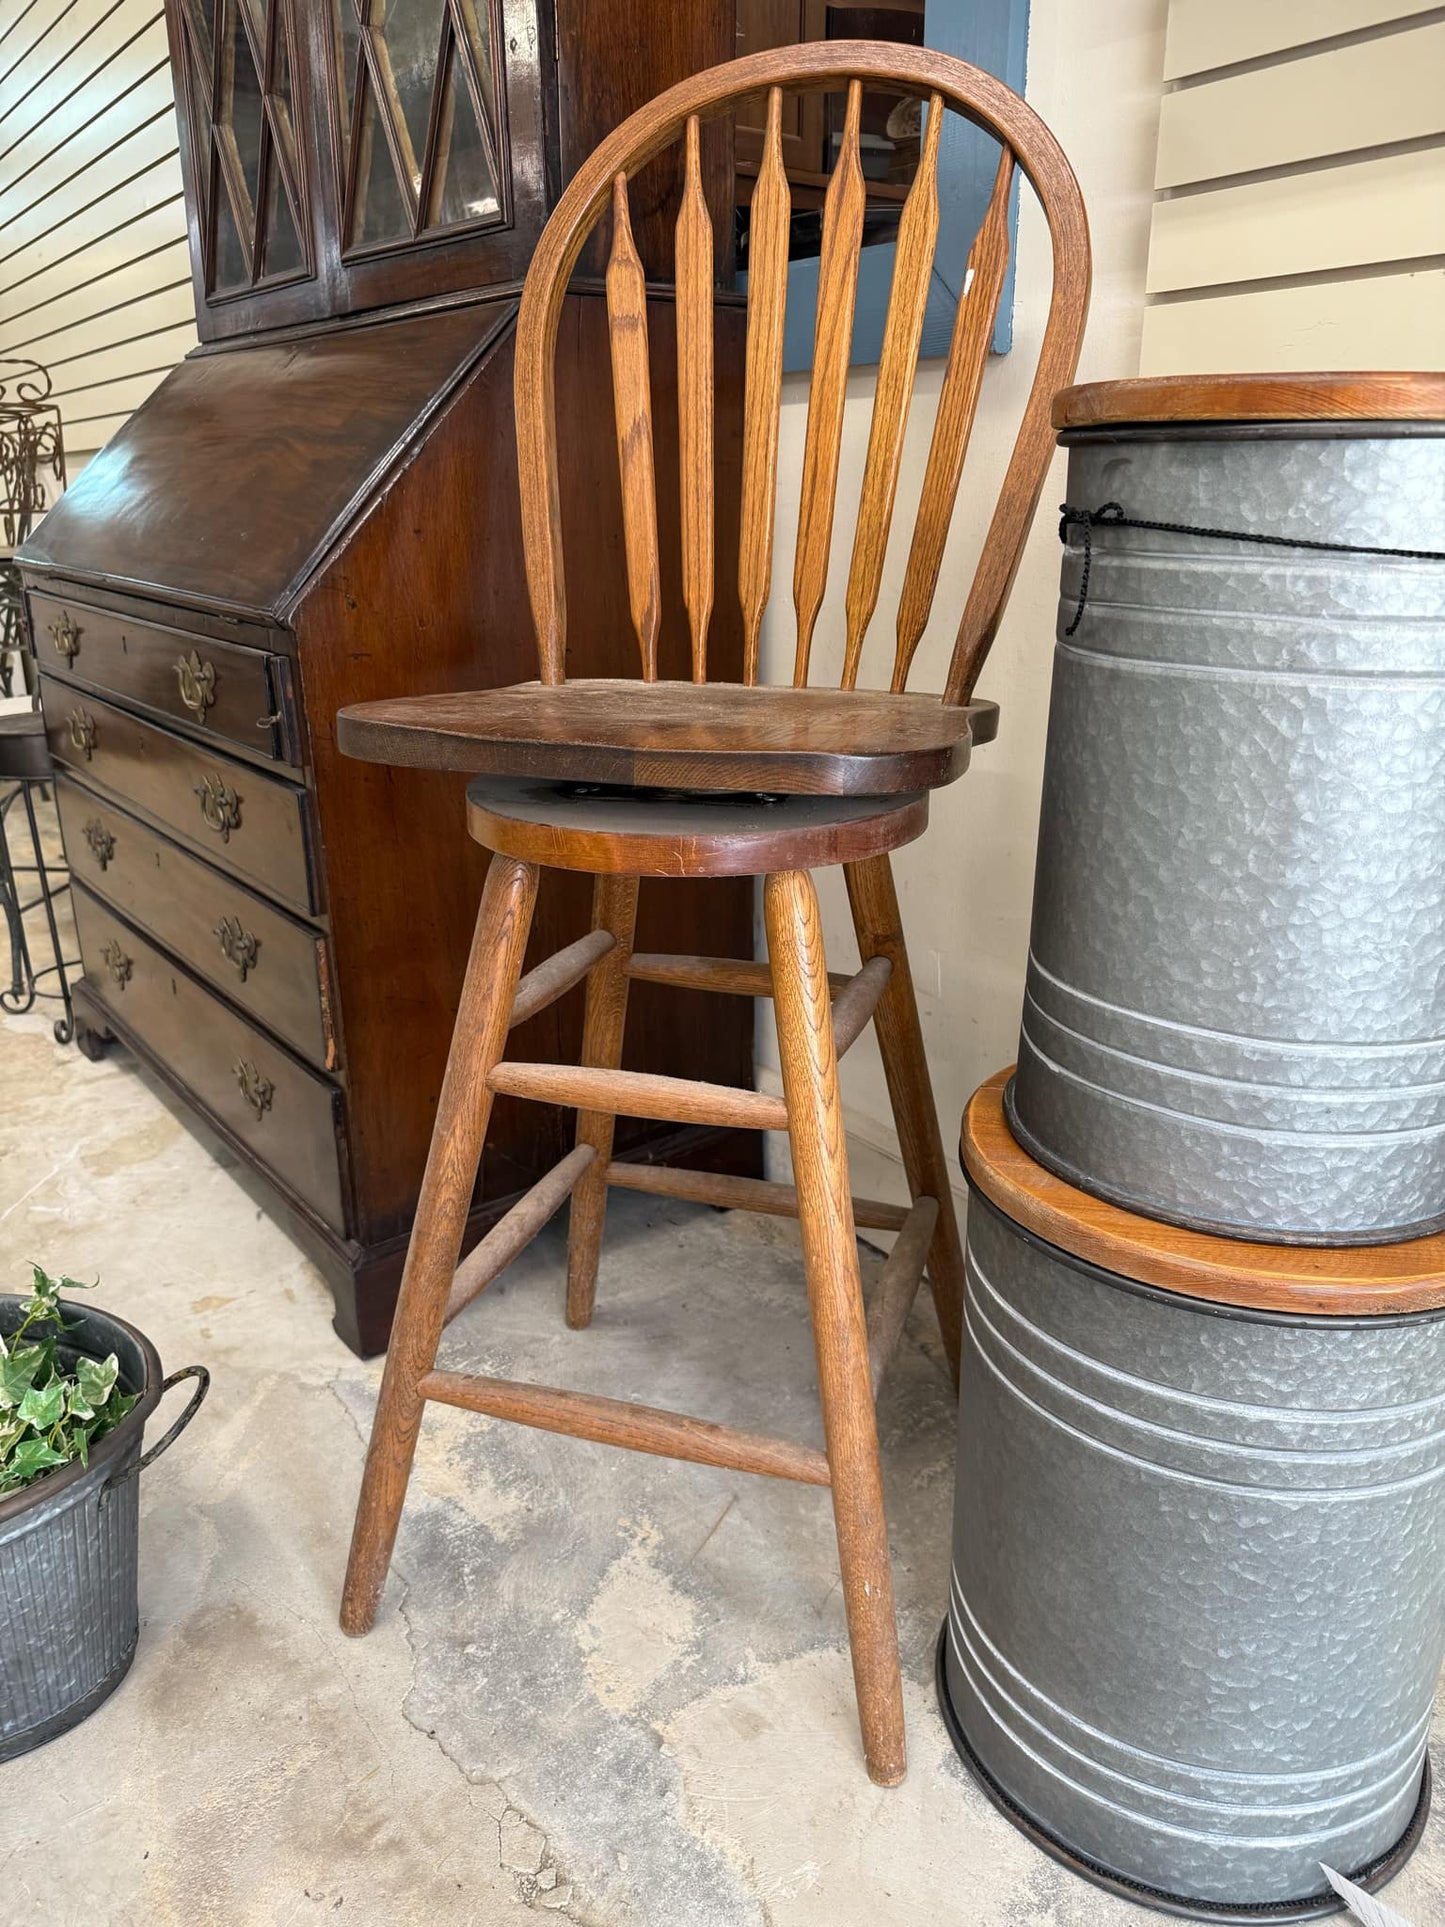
(942, 82)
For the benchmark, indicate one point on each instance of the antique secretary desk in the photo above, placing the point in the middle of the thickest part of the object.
(320, 506)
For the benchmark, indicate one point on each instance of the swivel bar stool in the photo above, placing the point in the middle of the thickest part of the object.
(623, 780)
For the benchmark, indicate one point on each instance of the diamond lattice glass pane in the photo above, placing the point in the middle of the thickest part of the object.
(347, 31)
(408, 36)
(282, 123)
(230, 271)
(381, 214)
(283, 253)
(465, 189)
(242, 110)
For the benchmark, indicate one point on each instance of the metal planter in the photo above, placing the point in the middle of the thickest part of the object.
(1198, 1599)
(1235, 1011)
(68, 1610)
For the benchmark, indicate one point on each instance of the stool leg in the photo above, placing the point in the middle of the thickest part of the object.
(835, 1298)
(436, 1237)
(900, 1040)
(614, 908)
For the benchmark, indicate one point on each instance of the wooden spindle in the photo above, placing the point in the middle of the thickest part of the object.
(912, 272)
(632, 404)
(768, 218)
(957, 404)
(832, 347)
(695, 399)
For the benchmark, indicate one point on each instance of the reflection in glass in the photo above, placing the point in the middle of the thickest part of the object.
(465, 190)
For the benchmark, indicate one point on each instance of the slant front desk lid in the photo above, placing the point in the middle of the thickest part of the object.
(1307, 397)
(231, 483)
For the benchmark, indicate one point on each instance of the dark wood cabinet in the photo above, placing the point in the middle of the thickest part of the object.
(320, 506)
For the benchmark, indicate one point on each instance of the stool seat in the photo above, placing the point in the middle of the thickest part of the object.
(695, 736)
(669, 833)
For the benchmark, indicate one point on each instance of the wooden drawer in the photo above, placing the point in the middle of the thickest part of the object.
(272, 967)
(284, 1114)
(232, 813)
(238, 694)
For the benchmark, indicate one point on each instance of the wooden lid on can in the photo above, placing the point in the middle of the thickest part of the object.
(1252, 398)
(1356, 1281)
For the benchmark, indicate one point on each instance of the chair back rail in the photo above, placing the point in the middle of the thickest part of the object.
(1025, 143)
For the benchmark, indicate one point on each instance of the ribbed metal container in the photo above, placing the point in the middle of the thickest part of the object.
(1198, 1599)
(1235, 1009)
(68, 1609)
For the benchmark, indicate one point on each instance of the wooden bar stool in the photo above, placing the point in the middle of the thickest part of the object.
(624, 780)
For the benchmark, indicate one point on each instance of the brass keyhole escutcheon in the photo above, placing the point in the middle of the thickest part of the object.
(66, 637)
(197, 681)
(102, 843)
(81, 726)
(238, 946)
(256, 1087)
(220, 807)
(116, 962)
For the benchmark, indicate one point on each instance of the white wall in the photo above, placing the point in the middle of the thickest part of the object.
(1094, 74)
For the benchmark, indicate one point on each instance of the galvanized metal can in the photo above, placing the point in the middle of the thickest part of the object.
(1198, 1591)
(1235, 1008)
(69, 1616)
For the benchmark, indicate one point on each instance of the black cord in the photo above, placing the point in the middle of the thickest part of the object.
(1112, 516)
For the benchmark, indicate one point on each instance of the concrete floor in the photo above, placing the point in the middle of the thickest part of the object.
(603, 1687)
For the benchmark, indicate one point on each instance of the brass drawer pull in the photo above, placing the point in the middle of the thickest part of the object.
(238, 946)
(81, 726)
(220, 807)
(116, 962)
(197, 682)
(102, 843)
(66, 636)
(256, 1088)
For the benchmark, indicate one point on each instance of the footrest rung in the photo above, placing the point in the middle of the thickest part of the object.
(854, 1005)
(742, 1194)
(641, 1428)
(556, 976)
(734, 976)
(511, 1234)
(897, 1287)
(676, 1100)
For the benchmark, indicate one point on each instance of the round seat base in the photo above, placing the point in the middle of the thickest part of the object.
(669, 833)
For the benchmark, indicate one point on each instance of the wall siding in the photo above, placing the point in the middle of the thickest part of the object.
(1300, 221)
(94, 272)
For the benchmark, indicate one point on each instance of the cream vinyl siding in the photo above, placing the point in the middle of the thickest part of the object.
(94, 270)
(1300, 216)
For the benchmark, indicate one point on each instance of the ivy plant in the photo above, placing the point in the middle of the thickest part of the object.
(51, 1414)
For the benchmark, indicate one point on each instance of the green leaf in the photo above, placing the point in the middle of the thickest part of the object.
(94, 1382)
(30, 1457)
(43, 1407)
(17, 1373)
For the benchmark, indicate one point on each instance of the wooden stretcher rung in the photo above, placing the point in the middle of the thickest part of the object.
(733, 976)
(675, 1100)
(897, 1287)
(552, 979)
(512, 1233)
(641, 1428)
(742, 1194)
(854, 1005)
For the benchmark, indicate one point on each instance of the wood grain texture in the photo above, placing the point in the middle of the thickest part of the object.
(639, 834)
(879, 926)
(854, 1005)
(640, 1428)
(1347, 1282)
(516, 1229)
(730, 975)
(676, 735)
(493, 969)
(835, 1298)
(678, 1100)
(897, 1287)
(741, 1194)
(968, 347)
(1254, 398)
(632, 406)
(768, 221)
(897, 368)
(548, 981)
(828, 391)
(693, 251)
(614, 911)
(631, 146)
